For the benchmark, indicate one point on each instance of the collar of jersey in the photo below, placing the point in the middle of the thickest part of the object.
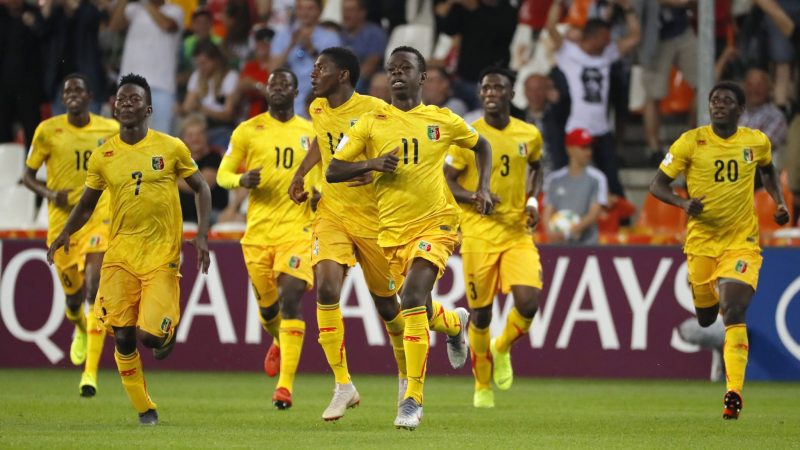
(715, 137)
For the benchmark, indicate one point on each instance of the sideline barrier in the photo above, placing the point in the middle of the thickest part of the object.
(605, 312)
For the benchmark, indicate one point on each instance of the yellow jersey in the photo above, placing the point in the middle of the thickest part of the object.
(65, 150)
(722, 170)
(146, 226)
(513, 147)
(277, 147)
(415, 197)
(356, 207)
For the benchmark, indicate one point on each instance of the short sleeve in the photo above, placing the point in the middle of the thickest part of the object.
(611, 53)
(39, 150)
(456, 158)
(354, 143)
(229, 83)
(193, 81)
(677, 160)
(462, 134)
(94, 177)
(185, 165)
(535, 146)
(546, 186)
(601, 194)
(765, 152)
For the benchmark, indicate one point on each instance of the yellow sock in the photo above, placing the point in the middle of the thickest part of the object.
(94, 344)
(735, 355)
(479, 339)
(272, 327)
(130, 369)
(77, 317)
(331, 338)
(416, 344)
(516, 327)
(396, 327)
(444, 321)
(291, 334)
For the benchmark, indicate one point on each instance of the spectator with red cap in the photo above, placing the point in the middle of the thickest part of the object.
(577, 190)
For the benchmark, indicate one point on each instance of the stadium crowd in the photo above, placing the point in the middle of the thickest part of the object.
(208, 61)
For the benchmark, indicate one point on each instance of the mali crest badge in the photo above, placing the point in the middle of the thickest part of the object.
(433, 133)
(157, 162)
(523, 149)
(747, 154)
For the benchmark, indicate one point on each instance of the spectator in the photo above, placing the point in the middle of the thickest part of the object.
(211, 92)
(783, 52)
(236, 44)
(207, 158)
(436, 91)
(297, 48)
(151, 50)
(366, 39)
(586, 66)
(72, 30)
(760, 112)
(379, 87)
(280, 14)
(202, 22)
(668, 40)
(578, 188)
(21, 31)
(486, 28)
(253, 79)
(546, 111)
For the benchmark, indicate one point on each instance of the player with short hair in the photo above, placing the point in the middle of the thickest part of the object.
(139, 283)
(64, 144)
(277, 242)
(722, 250)
(405, 145)
(497, 250)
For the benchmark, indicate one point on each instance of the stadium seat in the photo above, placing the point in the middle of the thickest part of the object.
(765, 210)
(12, 163)
(414, 35)
(18, 205)
(680, 97)
(664, 223)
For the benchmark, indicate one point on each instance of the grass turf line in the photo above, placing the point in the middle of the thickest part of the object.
(42, 409)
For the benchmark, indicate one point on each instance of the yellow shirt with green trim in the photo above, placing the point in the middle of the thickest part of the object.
(141, 180)
(65, 150)
(356, 207)
(278, 148)
(722, 170)
(415, 197)
(513, 148)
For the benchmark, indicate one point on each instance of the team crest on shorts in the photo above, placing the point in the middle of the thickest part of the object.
(424, 246)
(748, 155)
(523, 149)
(433, 133)
(157, 162)
(166, 324)
(391, 285)
(741, 266)
(315, 248)
(294, 262)
(94, 241)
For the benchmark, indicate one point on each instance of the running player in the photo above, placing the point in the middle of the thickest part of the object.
(342, 239)
(277, 242)
(418, 216)
(64, 144)
(722, 251)
(497, 250)
(139, 282)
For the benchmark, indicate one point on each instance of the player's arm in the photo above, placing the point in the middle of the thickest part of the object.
(483, 158)
(340, 170)
(534, 188)
(552, 24)
(297, 190)
(58, 198)
(782, 20)
(661, 189)
(163, 21)
(202, 200)
(77, 219)
(118, 21)
(627, 43)
(588, 219)
(451, 175)
(772, 185)
(227, 175)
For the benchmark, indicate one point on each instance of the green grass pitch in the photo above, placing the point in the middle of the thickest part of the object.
(42, 409)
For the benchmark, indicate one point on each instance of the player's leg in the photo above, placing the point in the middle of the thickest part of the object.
(292, 332)
(258, 262)
(706, 299)
(481, 274)
(71, 277)
(95, 336)
(735, 297)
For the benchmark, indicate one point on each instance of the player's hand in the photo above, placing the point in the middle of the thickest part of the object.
(533, 217)
(59, 198)
(297, 190)
(251, 178)
(482, 199)
(694, 206)
(387, 162)
(62, 240)
(361, 180)
(782, 215)
(200, 243)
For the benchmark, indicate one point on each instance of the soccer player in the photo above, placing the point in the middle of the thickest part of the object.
(342, 239)
(277, 242)
(722, 251)
(405, 145)
(139, 282)
(64, 144)
(497, 250)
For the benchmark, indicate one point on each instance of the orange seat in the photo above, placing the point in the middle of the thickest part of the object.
(765, 210)
(667, 223)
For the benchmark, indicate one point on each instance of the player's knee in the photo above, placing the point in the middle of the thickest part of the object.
(290, 307)
(388, 308)
(527, 307)
(74, 301)
(269, 312)
(706, 320)
(148, 340)
(413, 297)
(482, 317)
(125, 340)
(328, 293)
(734, 314)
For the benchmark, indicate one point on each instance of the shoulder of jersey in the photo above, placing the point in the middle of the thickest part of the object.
(754, 133)
(54, 122)
(318, 105)
(523, 126)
